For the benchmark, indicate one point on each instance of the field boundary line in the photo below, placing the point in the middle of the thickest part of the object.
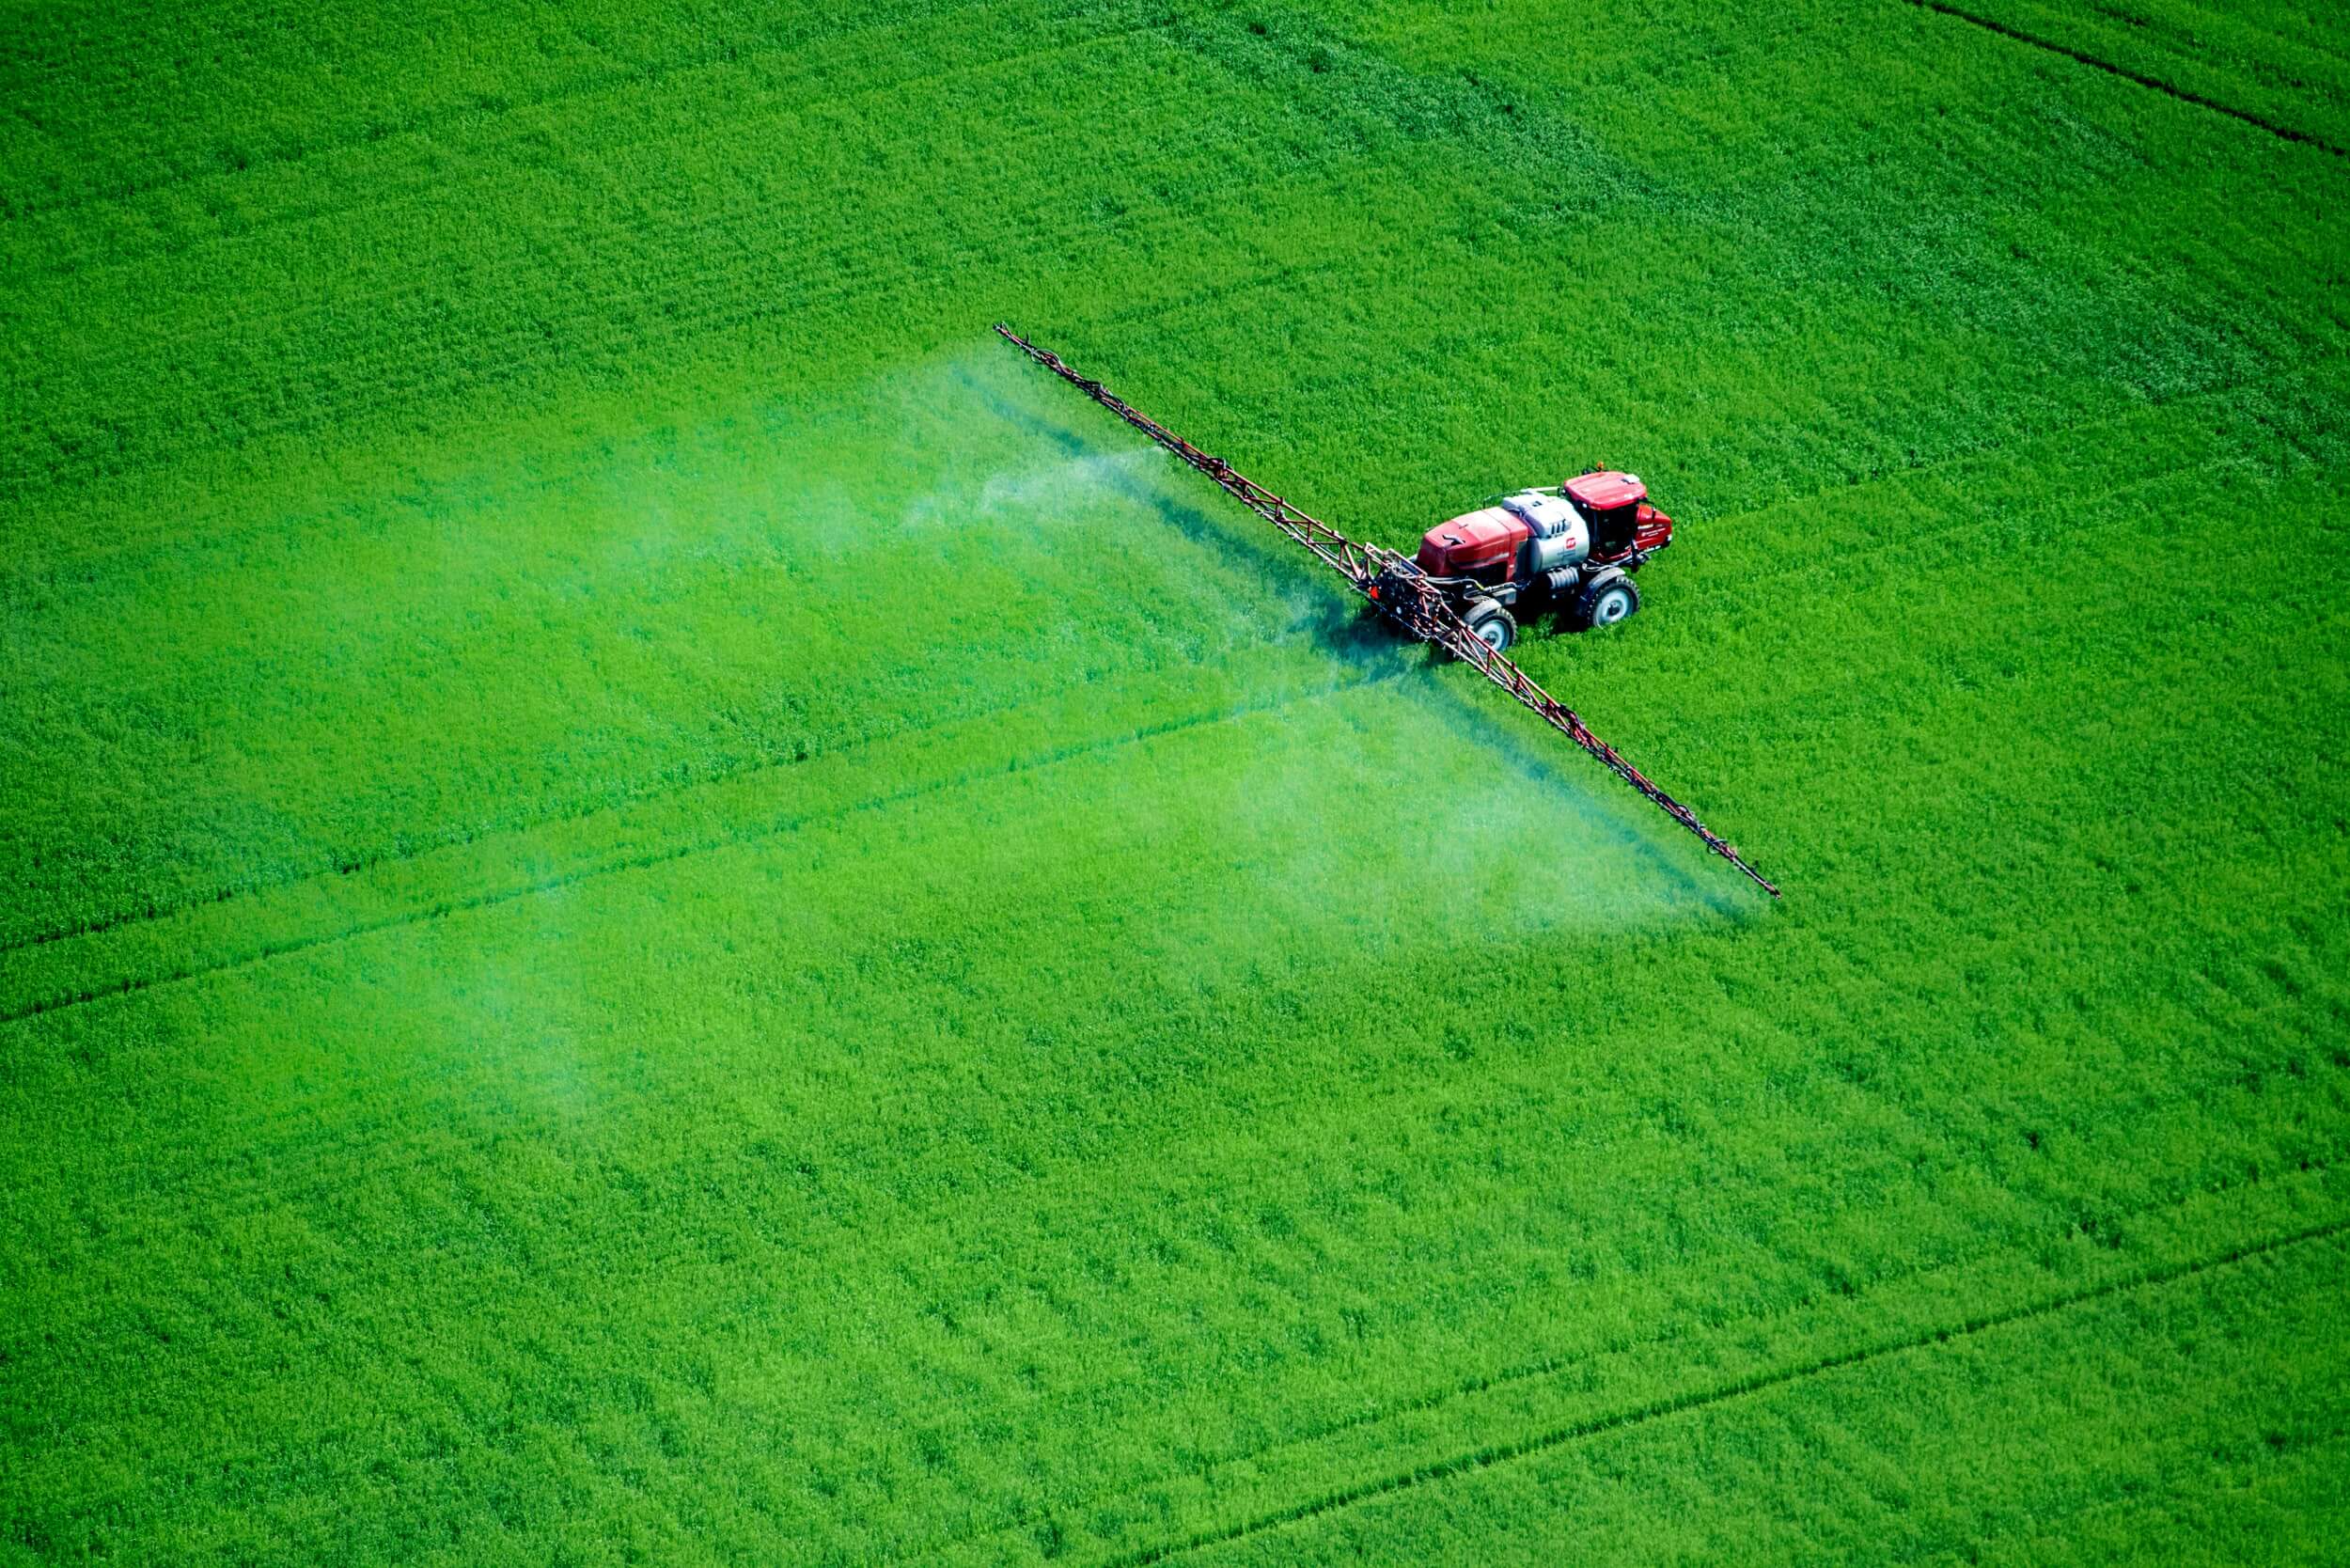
(2153, 84)
(1050, 757)
(1488, 1456)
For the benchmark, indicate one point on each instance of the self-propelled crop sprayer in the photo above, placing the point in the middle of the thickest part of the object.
(1575, 545)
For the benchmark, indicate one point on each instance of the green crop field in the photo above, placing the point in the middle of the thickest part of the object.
(659, 906)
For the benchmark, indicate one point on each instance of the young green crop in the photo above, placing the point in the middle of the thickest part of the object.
(659, 908)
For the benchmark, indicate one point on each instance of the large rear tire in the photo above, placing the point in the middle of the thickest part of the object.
(1605, 603)
(1493, 626)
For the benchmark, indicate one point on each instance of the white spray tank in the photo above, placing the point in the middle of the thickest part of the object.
(1558, 541)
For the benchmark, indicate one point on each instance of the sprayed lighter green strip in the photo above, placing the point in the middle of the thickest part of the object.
(1091, 718)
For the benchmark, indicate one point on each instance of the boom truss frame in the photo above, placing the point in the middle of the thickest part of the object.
(1392, 583)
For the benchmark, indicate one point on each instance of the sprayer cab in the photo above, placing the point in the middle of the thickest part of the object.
(1623, 522)
(1575, 546)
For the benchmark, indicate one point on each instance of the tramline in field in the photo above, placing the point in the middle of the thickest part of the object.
(1577, 546)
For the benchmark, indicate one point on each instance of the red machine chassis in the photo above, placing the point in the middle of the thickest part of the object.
(1392, 583)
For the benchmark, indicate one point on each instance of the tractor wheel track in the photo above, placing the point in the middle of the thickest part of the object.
(432, 189)
(359, 865)
(588, 86)
(691, 305)
(1488, 1456)
(690, 237)
(268, 1192)
(704, 844)
(2153, 84)
(1549, 1365)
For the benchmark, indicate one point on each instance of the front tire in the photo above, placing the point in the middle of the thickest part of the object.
(1605, 603)
(1493, 625)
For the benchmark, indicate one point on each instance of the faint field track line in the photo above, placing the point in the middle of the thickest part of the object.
(700, 304)
(641, 224)
(710, 311)
(681, 327)
(1502, 1453)
(588, 84)
(1148, 495)
(501, 359)
(1050, 757)
(1146, 20)
(2153, 84)
(432, 187)
(708, 290)
(1199, 299)
(713, 237)
(749, 768)
(1747, 586)
(2004, 450)
(680, 324)
(1550, 1364)
(255, 1196)
(358, 866)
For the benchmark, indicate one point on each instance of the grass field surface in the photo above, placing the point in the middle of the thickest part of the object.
(656, 905)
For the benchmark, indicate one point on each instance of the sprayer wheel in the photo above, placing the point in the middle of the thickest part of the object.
(1494, 626)
(1604, 603)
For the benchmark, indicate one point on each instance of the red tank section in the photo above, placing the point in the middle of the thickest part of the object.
(1481, 544)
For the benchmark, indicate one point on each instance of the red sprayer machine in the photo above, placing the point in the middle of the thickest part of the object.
(1574, 548)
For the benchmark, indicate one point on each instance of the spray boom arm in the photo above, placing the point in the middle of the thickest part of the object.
(1393, 583)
